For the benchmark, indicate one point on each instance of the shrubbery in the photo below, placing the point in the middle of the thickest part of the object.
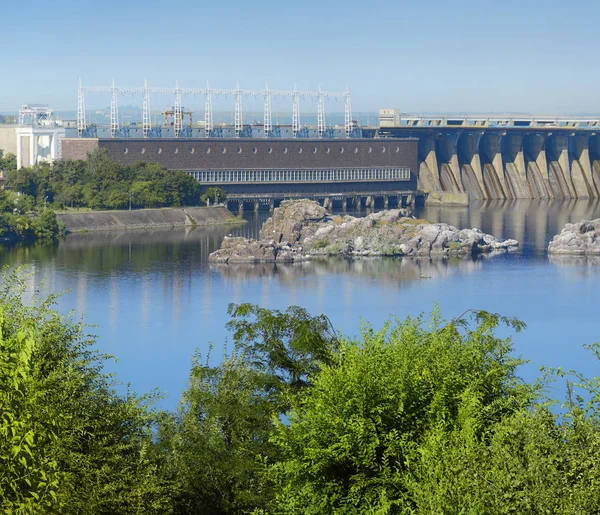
(419, 417)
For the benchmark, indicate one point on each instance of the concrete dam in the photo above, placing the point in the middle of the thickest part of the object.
(507, 163)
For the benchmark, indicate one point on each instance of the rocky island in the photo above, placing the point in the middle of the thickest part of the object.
(582, 238)
(302, 229)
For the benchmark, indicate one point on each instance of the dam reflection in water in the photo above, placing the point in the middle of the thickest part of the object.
(155, 297)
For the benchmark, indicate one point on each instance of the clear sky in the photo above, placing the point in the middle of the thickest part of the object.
(419, 56)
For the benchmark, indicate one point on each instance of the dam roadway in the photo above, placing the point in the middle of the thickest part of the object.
(506, 157)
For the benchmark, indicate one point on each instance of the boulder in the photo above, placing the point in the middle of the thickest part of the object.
(582, 238)
(300, 229)
(290, 218)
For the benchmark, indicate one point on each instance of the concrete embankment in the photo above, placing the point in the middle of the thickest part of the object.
(145, 218)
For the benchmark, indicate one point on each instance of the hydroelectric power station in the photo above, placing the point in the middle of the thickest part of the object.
(404, 158)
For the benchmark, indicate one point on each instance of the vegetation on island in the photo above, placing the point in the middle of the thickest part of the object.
(101, 183)
(32, 195)
(420, 416)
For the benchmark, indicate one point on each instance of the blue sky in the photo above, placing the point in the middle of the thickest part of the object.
(419, 56)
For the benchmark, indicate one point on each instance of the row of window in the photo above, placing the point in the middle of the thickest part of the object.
(254, 150)
(354, 174)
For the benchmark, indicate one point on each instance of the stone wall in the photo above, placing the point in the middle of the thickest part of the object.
(145, 218)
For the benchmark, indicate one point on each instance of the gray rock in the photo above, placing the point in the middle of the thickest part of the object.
(582, 238)
(300, 229)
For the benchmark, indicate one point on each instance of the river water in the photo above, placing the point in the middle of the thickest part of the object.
(155, 299)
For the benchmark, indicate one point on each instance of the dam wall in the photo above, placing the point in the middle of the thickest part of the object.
(508, 164)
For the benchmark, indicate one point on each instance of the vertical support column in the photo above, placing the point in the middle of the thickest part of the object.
(267, 121)
(238, 111)
(386, 201)
(177, 111)
(208, 117)
(80, 110)
(146, 118)
(53, 146)
(321, 114)
(114, 111)
(345, 203)
(429, 174)
(295, 112)
(32, 149)
(495, 184)
(19, 151)
(450, 171)
(559, 147)
(347, 114)
(582, 154)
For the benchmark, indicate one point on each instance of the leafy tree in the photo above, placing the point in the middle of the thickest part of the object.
(47, 227)
(94, 446)
(23, 180)
(353, 438)
(8, 163)
(215, 195)
(219, 440)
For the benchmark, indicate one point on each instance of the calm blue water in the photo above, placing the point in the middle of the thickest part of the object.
(155, 298)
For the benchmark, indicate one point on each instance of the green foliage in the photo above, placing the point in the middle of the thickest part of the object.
(47, 227)
(214, 195)
(8, 162)
(220, 437)
(415, 418)
(28, 478)
(455, 246)
(100, 183)
(353, 438)
(69, 443)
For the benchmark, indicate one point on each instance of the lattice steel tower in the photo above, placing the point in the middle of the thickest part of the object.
(268, 126)
(238, 111)
(321, 114)
(208, 116)
(114, 111)
(80, 110)
(177, 111)
(295, 112)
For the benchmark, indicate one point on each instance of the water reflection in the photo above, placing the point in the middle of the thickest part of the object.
(388, 272)
(533, 223)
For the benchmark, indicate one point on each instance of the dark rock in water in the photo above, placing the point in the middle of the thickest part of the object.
(300, 229)
(582, 238)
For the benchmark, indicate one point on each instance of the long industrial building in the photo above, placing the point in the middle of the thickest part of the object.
(277, 168)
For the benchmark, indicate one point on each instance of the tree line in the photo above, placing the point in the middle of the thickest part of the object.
(96, 183)
(101, 183)
(417, 417)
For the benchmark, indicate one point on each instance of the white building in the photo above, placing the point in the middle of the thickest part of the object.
(389, 117)
(38, 135)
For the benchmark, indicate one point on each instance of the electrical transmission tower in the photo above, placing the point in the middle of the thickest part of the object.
(80, 110)
(295, 112)
(177, 111)
(347, 114)
(146, 118)
(321, 114)
(114, 111)
(238, 126)
(208, 117)
(268, 126)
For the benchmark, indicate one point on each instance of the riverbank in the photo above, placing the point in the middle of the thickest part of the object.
(146, 219)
